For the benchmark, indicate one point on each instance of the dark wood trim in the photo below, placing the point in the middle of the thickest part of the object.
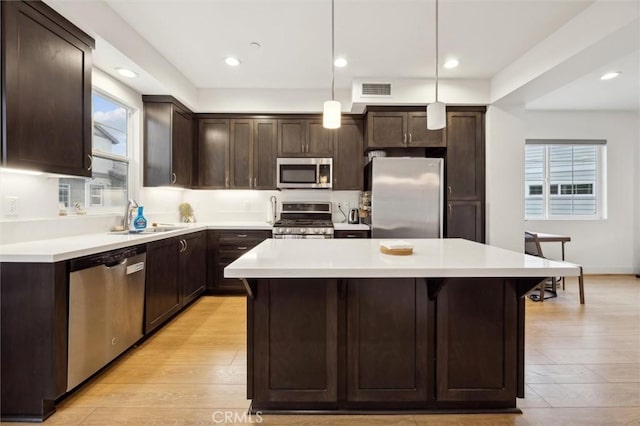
(168, 99)
(63, 22)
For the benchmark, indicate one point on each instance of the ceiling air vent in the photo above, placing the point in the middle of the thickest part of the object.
(376, 89)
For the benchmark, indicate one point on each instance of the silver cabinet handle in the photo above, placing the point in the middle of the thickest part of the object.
(449, 189)
(255, 182)
(242, 248)
(410, 137)
(404, 138)
(226, 182)
(174, 178)
(90, 162)
(186, 245)
(449, 209)
(181, 242)
(242, 235)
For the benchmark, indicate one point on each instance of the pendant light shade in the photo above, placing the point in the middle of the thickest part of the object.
(436, 111)
(332, 109)
(436, 116)
(331, 115)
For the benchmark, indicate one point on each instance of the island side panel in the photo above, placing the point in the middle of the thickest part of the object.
(477, 344)
(387, 329)
(295, 341)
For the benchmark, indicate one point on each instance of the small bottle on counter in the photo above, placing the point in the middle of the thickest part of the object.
(139, 223)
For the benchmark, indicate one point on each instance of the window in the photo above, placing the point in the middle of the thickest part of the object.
(563, 179)
(107, 189)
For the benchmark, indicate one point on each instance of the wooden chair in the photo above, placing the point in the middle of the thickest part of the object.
(532, 246)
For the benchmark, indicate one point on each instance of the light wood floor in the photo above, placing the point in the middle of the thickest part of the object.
(582, 368)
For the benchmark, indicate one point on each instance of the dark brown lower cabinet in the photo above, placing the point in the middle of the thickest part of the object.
(387, 340)
(193, 264)
(296, 335)
(476, 317)
(223, 247)
(464, 220)
(385, 344)
(163, 294)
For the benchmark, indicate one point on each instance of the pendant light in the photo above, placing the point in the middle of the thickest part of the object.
(332, 108)
(436, 111)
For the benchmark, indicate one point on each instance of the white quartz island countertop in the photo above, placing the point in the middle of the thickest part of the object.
(361, 258)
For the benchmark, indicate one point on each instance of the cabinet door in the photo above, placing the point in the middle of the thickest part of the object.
(214, 139)
(351, 234)
(464, 220)
(420, 136)
(295, 341)
(162, 291)
(182, 149)
(465, 155)
(476, 356)
(387, 340)
(265, 152)
(320, 140)
(192, 266)
(46, 93)
(241, 171)
(348, 165)
(292, 138)
(386, 129)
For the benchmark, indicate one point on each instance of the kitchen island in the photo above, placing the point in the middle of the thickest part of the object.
(335, 325)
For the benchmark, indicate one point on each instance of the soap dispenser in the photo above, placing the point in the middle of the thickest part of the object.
(139, 223)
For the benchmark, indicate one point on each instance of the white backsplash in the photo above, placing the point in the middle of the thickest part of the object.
(38, 207)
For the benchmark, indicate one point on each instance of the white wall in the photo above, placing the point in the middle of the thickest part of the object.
(609, 245)
(505, 178)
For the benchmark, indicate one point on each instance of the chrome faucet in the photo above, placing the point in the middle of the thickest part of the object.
(126, 220)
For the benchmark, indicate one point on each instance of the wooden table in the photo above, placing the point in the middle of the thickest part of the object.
(552, 238)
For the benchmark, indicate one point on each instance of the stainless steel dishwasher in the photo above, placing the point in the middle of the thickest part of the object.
(106, 306)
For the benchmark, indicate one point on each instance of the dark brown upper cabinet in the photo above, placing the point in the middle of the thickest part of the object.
(304, 138)
(401, 129)
(168, 142)
(465, 173)
(46, 91)
(237, 153)
(465, 155)
(214, 141)
(348, 156)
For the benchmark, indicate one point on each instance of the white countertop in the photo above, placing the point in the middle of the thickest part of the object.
(59, 249)
(361, 258)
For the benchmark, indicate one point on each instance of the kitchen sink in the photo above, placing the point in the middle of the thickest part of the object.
(152, 230)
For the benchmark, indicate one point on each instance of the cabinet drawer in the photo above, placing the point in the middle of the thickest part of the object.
(242, 238)
(351, 234)
(230, 253)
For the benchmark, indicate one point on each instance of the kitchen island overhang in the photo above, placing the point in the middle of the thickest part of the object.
(335, 325)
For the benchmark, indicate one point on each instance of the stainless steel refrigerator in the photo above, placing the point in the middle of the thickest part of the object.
(406, 197)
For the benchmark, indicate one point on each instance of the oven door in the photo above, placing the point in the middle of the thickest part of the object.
(304, 173)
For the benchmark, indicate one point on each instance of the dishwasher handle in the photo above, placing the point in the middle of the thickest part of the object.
(109, 259)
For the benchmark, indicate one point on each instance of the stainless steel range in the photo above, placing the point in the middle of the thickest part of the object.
(304, 220)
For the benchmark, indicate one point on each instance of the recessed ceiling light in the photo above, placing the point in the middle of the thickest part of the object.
(255, 45)
(231, 61)
(126, 73)
(340, 62)
(610, 75)
(451, 63)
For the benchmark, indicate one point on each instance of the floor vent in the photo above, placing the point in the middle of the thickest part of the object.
(376, 89)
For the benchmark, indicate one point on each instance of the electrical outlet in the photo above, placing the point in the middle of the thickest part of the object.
(10, 206)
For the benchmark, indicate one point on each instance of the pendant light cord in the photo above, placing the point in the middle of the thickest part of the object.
(436, 50)
(333, 67)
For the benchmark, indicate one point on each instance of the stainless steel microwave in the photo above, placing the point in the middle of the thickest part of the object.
(304, 173)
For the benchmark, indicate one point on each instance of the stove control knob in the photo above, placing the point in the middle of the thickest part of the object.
(317, 231)
(303, 230)
(287, 230)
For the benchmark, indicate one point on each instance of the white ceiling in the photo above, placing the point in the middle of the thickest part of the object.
(388, 39)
